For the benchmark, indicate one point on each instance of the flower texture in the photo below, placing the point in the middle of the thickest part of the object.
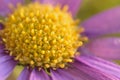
(43, 37)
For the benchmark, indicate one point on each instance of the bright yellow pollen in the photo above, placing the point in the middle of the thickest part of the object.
(42, 36)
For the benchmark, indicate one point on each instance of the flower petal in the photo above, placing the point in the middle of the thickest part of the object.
(6, 66)
(25, 74)
(4, 6)
(90, 73)
(107, 67)
(103, 23)
(56, 75)
(107, 48)
(39, 75)
(73, 5)
(80, 71)
(1, 51)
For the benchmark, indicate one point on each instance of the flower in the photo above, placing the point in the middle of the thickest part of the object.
(29, 37)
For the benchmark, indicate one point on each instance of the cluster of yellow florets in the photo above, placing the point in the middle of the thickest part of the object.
(41, 36)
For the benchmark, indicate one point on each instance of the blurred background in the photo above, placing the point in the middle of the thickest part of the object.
(87, 9)
(92, 7)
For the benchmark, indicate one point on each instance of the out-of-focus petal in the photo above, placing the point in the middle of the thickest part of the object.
(4, 6)
(25, 74)
(108, 68)
(62, 74)
(6, 66)
(107, 22)
(39, 75)
(107, 48)
(91, 73)
(80, 71)
(74, 5)
(1, 51)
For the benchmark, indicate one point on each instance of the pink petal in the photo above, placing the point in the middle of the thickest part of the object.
(106, 67)
(80, 71)
(39, 75)
(25, 74)
(107, 48)
(6, 66)
(4, 6)
(107, 22)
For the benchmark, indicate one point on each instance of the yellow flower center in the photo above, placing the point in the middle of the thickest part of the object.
(41, 36)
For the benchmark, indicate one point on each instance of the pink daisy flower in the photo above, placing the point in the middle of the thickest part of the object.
(43, 38)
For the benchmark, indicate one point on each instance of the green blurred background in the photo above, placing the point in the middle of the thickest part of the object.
(87, 9)
(91, 7)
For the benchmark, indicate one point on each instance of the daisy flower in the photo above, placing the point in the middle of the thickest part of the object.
(43, 37)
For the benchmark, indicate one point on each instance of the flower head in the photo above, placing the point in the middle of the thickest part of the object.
(41, 36)
(44, 38)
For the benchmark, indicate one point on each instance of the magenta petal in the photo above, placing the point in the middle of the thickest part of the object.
(74, 5)
(25, 74)
(107, 22)
(4, 6)
(39, 75)
(90, 73)
(1, 52)
(6, 66)
(106, 67)
(57, 75)
(80, 71)
(72, 73)
(107, 48)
